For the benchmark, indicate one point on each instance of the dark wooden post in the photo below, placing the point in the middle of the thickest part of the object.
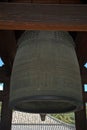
(7, 52)
(81, 49)
(80, 119)
(6, 113)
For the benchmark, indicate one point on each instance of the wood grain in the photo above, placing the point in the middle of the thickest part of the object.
(85, 97)
(25, 16)
(46, 1)
(21, 1)
(1, 96)
(3, 75)
(81, 49)
(70, 1)
(6, 112)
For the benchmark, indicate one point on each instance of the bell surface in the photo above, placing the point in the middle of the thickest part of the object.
(45, 76)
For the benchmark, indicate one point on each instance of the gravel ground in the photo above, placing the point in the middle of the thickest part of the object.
(40, 127)
(27, 121)
(27, 118)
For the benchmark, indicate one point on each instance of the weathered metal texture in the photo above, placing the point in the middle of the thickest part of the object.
(45, 76)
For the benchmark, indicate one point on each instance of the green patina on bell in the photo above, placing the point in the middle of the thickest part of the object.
(45, 76)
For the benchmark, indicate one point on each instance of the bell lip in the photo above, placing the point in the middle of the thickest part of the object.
(77, 105)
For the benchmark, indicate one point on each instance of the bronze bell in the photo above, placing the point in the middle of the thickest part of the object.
(46, 76)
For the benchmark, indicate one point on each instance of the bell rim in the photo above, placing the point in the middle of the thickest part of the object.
(77, 106)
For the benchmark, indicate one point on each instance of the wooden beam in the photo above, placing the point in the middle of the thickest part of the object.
(46, 1)
(21, 1)
(25, 16)
(70, 1)
(3, 0)
(49, 1)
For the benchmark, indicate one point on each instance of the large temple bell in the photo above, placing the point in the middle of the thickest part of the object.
(45, 76)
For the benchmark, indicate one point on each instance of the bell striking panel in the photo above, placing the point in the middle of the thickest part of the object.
(46, 76)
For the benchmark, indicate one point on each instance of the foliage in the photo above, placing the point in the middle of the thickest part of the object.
(67, 118)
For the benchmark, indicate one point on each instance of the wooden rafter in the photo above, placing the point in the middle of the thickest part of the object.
(22, 16)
